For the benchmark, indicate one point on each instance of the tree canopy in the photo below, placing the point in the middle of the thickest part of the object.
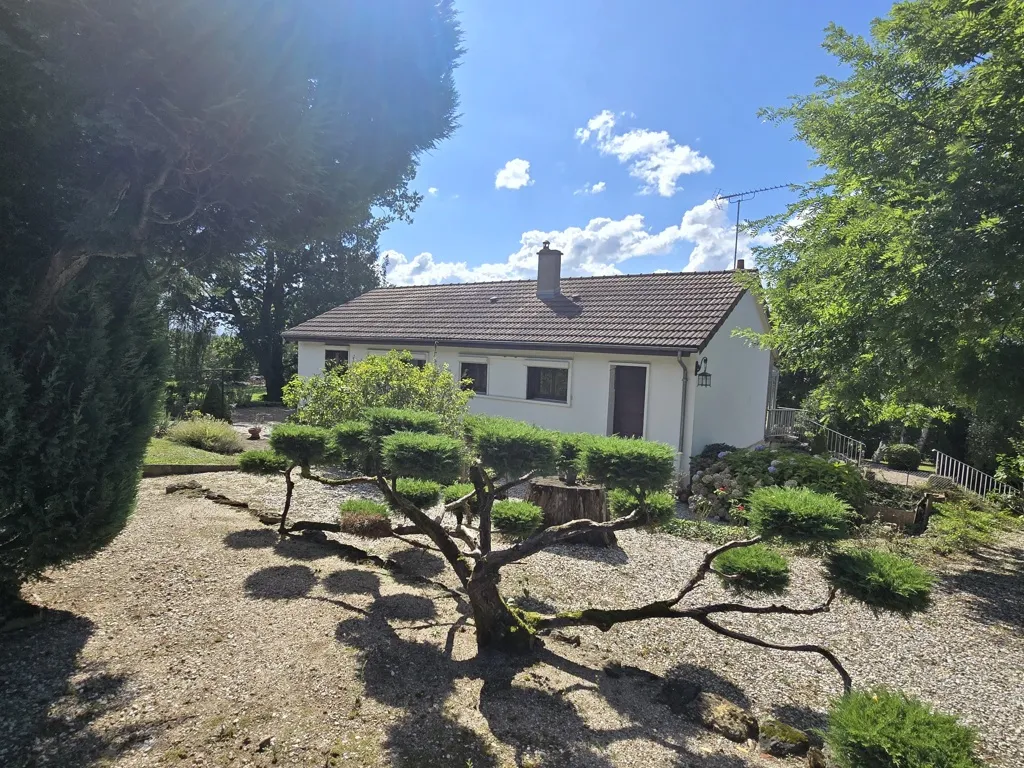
(897, 279)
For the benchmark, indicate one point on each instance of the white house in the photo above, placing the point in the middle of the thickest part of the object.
(650, 356)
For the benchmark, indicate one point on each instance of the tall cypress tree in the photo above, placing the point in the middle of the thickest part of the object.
(140, 137)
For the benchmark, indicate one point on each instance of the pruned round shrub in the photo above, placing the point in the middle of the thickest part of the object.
(422, 493)
(387, 421)
(757, 568)
(640, 465)
(512, 448)
(880, 579)
(352, 442)
(903, 457)
(422, 455)
(206, 433)
(520, 518)
(300, 444)
(572, 447)
(798, 514)
(362, 517)
(660, 505)
(879, 728)
(262, 462)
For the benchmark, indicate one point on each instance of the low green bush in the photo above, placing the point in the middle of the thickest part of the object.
(520, 518)
(300, 444)
(880, 579)
(362, 517)
(262, 462)
(423, 493)
(206, 433)
(798, 514)
(661, 505)
(643, 466)
(512, 448)
(699, 530)
(879, 728)
(958, 527)
(757, 568)
(903, 457)
(418, 454)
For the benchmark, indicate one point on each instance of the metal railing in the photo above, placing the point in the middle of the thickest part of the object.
(968, 477)
(795, 422)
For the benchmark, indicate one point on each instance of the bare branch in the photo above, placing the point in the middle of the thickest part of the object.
(806, 648)
(518, 481)
(431, 528)
(705, 567)
(341, 481)
(556, 535)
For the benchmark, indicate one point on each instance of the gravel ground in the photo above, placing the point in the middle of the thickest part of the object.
(197, 639)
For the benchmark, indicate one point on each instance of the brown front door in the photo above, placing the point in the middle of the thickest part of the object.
(628, 407)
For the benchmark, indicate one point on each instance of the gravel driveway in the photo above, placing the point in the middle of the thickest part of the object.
(197, 639)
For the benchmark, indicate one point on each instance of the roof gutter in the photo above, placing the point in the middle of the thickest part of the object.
(633, 349)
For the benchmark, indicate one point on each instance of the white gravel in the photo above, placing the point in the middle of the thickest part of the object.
(193, 638)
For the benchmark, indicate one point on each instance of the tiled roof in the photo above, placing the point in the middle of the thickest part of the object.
(664, 312)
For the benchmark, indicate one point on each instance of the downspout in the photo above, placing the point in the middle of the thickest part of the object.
(682, 408)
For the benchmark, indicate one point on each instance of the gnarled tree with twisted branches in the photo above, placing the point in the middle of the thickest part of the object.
(499, 454)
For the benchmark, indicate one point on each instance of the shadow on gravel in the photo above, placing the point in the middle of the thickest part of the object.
(543, 722)
(804, 718)
(544, 725)
(49, 700)
(613, 555)
(709, 680)
(996, 590)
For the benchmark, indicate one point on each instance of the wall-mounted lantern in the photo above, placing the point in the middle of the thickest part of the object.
(703, 377)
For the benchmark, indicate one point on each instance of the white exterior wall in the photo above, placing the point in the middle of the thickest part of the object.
(732, 409)
(588, 408)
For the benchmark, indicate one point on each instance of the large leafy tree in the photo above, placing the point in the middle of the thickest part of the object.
(140, 136)
(264, 291)
(897, 279)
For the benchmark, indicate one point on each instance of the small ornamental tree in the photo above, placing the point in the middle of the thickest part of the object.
(501, 454)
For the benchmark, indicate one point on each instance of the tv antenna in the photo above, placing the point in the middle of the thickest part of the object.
(739, 198)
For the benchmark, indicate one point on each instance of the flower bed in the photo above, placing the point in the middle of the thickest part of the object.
(722, 487)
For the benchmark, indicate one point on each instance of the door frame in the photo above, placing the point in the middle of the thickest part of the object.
(612, 365)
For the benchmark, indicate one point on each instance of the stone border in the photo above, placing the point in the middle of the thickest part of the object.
(161, 470)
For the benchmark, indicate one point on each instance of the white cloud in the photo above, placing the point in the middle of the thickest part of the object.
(432, 191)
(591, 189)
(602, 247)
(515, 175)
(654, 157)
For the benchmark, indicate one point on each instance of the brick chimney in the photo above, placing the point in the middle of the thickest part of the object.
(740, 266)
(549, 272)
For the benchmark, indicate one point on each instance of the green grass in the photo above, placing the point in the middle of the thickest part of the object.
(161, 451)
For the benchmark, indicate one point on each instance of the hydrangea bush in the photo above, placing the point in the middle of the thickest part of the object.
(725, 484)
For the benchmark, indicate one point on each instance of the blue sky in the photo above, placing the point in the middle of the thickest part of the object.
(631, 116)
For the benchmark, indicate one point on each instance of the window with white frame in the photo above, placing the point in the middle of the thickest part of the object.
(547, 382)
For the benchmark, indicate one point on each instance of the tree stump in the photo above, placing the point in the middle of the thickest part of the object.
(562, 503)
